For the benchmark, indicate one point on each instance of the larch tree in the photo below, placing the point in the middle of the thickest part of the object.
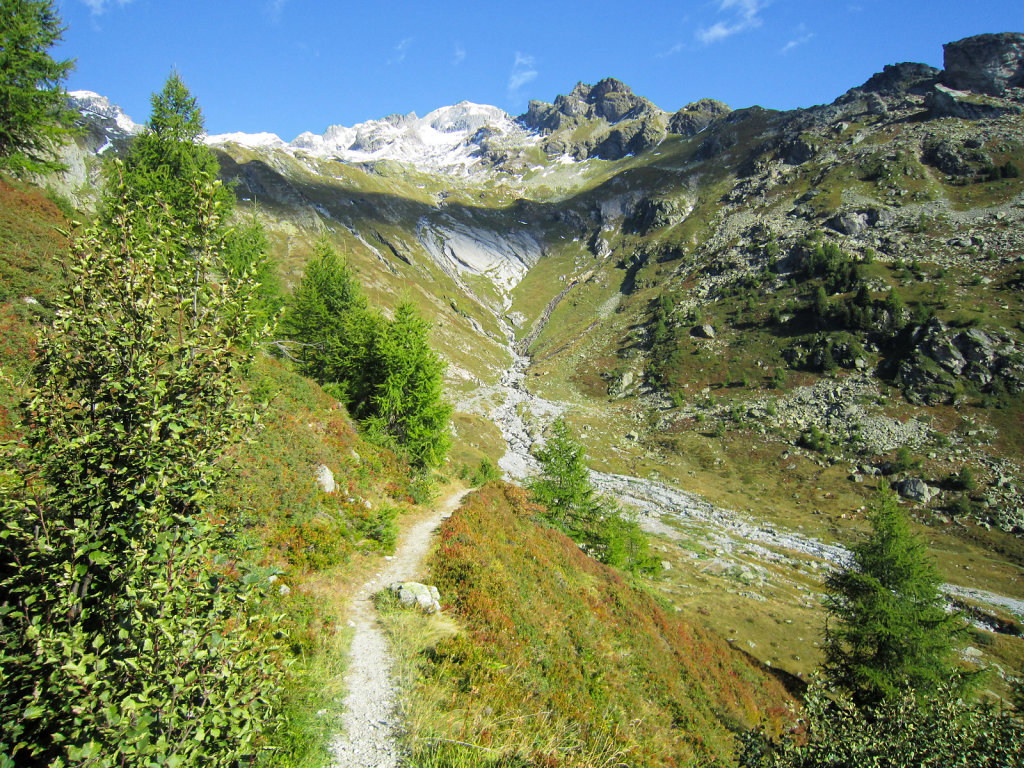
(407, 405)
(887, 630)
(34, 114)
(329, 319)
(574, 506)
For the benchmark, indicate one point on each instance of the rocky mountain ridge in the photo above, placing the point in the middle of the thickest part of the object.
(704, 206)
(750, 317)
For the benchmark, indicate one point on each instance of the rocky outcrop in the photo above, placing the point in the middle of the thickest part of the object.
(989, 64)
(696, 116)
(947, 102)
(621, 122)
(955, 157)
(902, 78)
(915, 489)
(610, 99)
(658, 212)
(325, 479)
(942, 362)
(413, 594)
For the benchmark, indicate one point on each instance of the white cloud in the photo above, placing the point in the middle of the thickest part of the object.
(677, 48)
(459, 55)
(524, 71)
(743, 15)
(400, 50)
(801, 36)
(275, 8)
(100, 6)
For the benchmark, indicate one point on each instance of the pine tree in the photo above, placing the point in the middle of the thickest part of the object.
(574, 506)
(407, 406)
(887, 629)
(34, 115)
(329, 318)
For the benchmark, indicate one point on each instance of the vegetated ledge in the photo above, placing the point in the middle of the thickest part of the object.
(565, 661)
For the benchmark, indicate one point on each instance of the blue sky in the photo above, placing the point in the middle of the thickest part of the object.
(288, 66)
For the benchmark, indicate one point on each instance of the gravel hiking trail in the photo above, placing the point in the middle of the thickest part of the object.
(370, 720)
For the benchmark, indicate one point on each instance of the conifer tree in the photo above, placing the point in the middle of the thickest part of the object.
(34, 115)
(565, 487)
(168, 162)
(407, 406)
(887, 629)
(329, 318)
(575, 507)
(169, 156)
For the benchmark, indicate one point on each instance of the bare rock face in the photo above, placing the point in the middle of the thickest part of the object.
(325, 479)
(905, 77)
(988, 64)
(696, 116)
(630, 124)
(609, 99)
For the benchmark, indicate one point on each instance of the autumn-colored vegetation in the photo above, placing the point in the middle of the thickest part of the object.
(564, 661)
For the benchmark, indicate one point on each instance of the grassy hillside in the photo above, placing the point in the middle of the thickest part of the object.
(31, 238)
(552, 659)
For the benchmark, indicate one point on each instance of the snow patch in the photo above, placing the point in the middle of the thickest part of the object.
(252, 140)
(92, 104)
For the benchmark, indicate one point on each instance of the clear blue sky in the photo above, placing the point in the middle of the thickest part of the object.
(292, 65)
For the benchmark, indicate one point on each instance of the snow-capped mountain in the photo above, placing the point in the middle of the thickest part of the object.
(449, 139)
(99, 110)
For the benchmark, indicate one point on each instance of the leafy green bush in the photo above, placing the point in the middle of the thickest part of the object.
(120, 641)
(905, 732)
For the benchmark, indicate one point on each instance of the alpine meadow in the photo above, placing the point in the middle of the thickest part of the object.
(600, 435)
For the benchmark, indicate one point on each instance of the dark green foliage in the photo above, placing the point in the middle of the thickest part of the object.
(122, 643)
(407, 404)
(485, 473)
(1005, 171)
(906, 731)
(887, 629)
(168, 162)
(905, 460)
(385, 371)
(245, 254)
(816, 440)
(836, 268)
(964, 480)
(574, 506)
(665, 355)
(329, 319)
(34, 116)
(169, 155)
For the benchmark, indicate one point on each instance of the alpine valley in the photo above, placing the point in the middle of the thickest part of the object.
(751, 318)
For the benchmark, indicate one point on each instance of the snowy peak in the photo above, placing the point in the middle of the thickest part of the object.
(463, 139)
(453, 138)
(99, 109)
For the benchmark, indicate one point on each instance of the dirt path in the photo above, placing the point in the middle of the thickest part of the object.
(369, 740)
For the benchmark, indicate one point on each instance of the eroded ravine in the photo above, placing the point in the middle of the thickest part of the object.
(661, 508)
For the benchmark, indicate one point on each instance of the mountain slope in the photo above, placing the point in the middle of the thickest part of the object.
(775, 310)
